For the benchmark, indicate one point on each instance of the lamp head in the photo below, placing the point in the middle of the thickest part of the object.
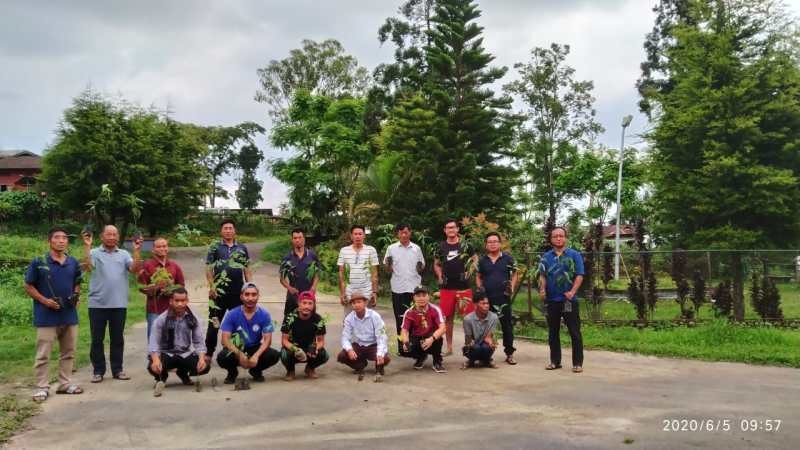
(626, 120)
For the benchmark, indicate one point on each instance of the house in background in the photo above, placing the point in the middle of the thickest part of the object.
(18, 169)
(627, 233)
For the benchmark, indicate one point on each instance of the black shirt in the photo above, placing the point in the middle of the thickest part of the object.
(496, 275)
(453, 259)
(303, 333)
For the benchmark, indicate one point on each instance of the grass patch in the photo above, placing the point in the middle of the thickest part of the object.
(14, 414)
(715, 341)
(18, 342)
(275, 249)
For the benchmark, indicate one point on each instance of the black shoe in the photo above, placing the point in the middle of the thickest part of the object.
(258, 377)
(231, 378)
(185, 379)
(438, 367)
(420, 362)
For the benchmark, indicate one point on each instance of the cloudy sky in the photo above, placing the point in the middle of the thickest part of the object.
(199, 58)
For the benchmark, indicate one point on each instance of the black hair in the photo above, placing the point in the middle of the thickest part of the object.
(358, 226)
(492, 233)
(401, 226)
(479, 295)
(297, 230)
(458, 225)
(564, 229)
(178, 290)
(227, 221)
(55, 230)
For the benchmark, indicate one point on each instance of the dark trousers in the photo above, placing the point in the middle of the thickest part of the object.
(502, 306)
(230, 362)
(114, 318)
(364, 354)
(555, 311)
(290, 305)
(289, 360)
(400, 303)
(416, 351)
(224, 304)
(184, 367)
(479, 351)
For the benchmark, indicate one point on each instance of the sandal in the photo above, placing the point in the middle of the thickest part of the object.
(41, 395)
(71, 389)
(552, 366)
(510, 359)
(97, 378)
(577, 369)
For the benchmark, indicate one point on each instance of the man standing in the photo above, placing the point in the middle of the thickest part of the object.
(358, 263)
(108, 298)
(404, 260)
(159, 276)
(560, 277)
(422, 331)
(303, 339)
(295, 269)
(253, 328)
(497, 276)
(226, 271)
(453, 266)
(54, 284)
(175, 332)
(479, 326)
(364, 339)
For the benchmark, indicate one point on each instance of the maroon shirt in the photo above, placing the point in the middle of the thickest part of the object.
(422, 324)
(158, 302)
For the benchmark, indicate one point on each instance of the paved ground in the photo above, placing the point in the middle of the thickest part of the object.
(618, 397)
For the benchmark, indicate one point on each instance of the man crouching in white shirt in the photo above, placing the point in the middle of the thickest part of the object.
(364, 339)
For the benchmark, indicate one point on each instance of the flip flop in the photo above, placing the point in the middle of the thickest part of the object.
(72, 389)
(577, 369)
(552, 366)
(40, 395)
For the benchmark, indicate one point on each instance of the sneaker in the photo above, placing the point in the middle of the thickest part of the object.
(438, 367)
(230, 379)
(360, 375)
(258, 377)
(420, 362)
(158, 389)
(379, 378)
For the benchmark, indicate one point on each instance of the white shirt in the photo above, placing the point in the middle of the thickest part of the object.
(404, 266)
(359, 264)
(367, 331)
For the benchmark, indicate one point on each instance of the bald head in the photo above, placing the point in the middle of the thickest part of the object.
(160, 248)
(110, 236)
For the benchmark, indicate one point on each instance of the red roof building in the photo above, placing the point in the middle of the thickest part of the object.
(18, 169)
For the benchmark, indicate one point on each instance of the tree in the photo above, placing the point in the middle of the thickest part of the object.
(135, 152)
(321, 68)
(725, 159)
(249, 192)
(332, 152)
(558, 119)
(220, 155)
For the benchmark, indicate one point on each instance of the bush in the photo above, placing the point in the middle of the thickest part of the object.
(15, 306)
(25, 206)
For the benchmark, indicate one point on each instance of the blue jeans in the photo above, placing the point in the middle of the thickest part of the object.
(151, 317)
(480, 351)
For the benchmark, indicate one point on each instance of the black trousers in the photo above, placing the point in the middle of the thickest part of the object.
(502, 306)
(555, 311)
(230, 361)
(224, 303)
(400, 303)
(290, 305)
(289, 361)
(114, 319)
(416, 351)
(183, 366)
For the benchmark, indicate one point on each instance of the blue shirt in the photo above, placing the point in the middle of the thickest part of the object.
(108, 286)
(560, 272)
(231, 259)
(249, 330)
(299, 278)
(54, 280)
(496, 275)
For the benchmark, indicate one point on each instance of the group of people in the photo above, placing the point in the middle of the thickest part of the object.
(178, 341)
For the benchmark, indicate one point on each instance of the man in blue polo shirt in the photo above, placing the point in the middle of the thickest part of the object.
(560, 277)
(227, 270)
(294, 271)
(497, 276)
(108, 298)
(54, 282)
(251, 349)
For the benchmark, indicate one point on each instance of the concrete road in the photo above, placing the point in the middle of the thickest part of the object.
(620, 401)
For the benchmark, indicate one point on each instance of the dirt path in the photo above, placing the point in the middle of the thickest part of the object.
(618, 397)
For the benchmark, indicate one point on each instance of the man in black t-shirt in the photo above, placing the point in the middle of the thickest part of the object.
(303, 339)
(454, 265)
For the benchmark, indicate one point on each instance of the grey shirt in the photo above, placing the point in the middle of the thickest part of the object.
(185, 337)
(477, 329)
(108, 286)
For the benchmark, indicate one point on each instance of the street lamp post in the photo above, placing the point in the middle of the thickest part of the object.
(625, 122)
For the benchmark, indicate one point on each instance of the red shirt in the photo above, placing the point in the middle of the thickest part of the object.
(422, 323)
(158, 302)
